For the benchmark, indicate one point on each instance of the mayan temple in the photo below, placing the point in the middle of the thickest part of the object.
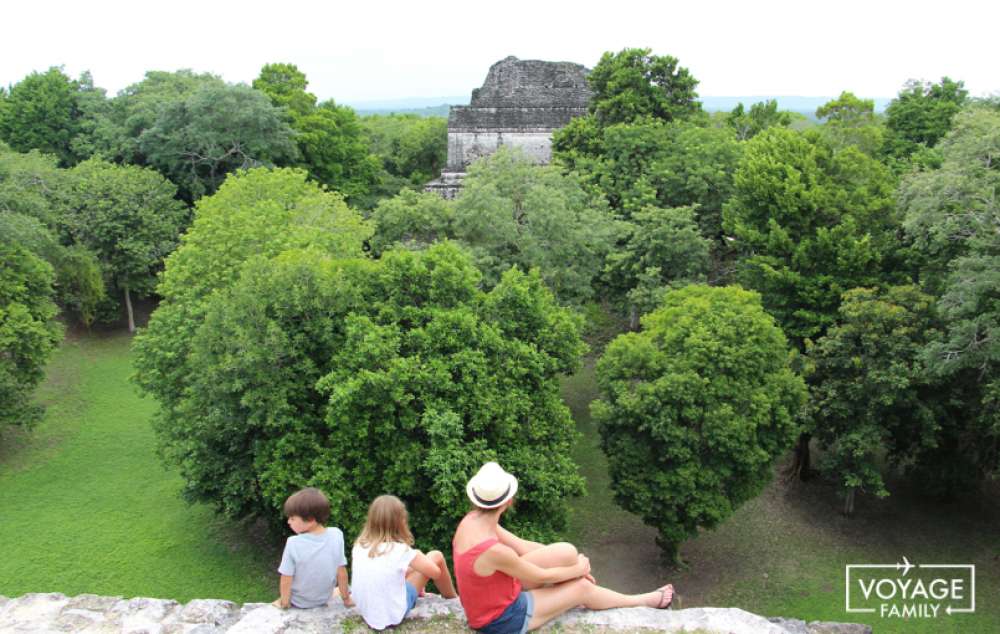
(521, 103)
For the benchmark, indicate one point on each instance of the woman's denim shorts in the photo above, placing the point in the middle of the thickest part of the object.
(515, 619)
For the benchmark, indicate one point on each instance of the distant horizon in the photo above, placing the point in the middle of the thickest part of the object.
(716, 101)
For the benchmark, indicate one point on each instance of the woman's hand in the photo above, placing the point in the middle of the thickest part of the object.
(583, 565)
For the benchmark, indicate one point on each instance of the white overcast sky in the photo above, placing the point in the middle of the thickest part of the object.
(378, 50)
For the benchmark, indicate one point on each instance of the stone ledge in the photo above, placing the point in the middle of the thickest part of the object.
(52, 612)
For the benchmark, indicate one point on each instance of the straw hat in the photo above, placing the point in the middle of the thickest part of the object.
(491, 486)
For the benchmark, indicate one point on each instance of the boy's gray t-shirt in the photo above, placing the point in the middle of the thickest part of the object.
(312, 561)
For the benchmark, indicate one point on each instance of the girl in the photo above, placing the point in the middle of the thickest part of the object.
(510, 585)
(387, 574)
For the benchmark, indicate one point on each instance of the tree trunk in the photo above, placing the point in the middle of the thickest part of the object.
(801, 466)
(128, 307)
(849, 502)
(633, 318)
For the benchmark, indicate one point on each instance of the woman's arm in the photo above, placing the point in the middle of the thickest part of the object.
(520, 546)
(506, 560)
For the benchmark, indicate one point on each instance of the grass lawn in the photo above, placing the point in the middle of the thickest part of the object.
(85, 505)
(784, 553)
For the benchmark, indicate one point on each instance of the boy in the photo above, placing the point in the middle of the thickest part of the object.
(314, 556)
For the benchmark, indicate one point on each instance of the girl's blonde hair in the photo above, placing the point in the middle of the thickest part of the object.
(387, 522)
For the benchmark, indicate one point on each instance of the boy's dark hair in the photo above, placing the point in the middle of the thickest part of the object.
(309, 504)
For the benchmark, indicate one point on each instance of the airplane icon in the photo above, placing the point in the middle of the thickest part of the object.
(904, 566)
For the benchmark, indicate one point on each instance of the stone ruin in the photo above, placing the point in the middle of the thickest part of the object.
(92, 614)
(521, 103)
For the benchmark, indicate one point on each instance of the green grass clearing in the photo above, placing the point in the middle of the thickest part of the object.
(88, 507)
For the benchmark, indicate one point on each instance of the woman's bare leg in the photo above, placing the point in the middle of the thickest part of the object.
(443, 579)
(552, 601)
(551, 556)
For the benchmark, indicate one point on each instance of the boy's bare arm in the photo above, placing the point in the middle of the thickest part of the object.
(342, 587)
(285, 600)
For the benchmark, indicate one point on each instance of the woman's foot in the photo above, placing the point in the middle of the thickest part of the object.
(662, 598)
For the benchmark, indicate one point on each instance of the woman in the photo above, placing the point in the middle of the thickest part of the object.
(511, 585)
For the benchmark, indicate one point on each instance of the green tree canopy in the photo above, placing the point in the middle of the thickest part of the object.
(28, 330)
(651, 163)
(335, 150)
(848, 120)
(414, 220)
(413, 149)
(286, 85)
(514, 213)
(695, 408)
(129, 217)
(33, 194)
(42, 113)
(633, 83)
(761, 116)
(871, 396)
(216, 130)
(659, 249)
(811, 222)
(332, 145)
(117, 130)
(392, 375)
(256, 213)
(952, 214)
(921, 114)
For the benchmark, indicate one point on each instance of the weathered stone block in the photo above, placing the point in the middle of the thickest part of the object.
(92, 602)
(33, 612)
(143, 615)
(210, 611)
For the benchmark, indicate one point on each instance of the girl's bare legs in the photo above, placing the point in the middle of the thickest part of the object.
(443, 579)
(552, 601)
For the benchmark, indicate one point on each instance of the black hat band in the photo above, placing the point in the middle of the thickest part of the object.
(497, 500)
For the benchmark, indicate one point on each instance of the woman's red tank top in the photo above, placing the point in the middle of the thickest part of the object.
(483, 598)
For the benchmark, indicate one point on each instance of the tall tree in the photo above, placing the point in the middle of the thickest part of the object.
(871, 395)
(286, 85)
(218, 129)
(695, 408)
(116, 132)
(312, 370)
(952, 214)
(921, 114)
(129, 217)
(760, 116)
(633, 83)
(848, 120)
(28, 330)
(32, 209)
(42, 113)
(810, 223)
(255, 214)
(331, 143)
(512, 212)
(660, 249)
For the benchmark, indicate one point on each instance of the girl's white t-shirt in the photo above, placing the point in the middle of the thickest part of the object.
(377, 583)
